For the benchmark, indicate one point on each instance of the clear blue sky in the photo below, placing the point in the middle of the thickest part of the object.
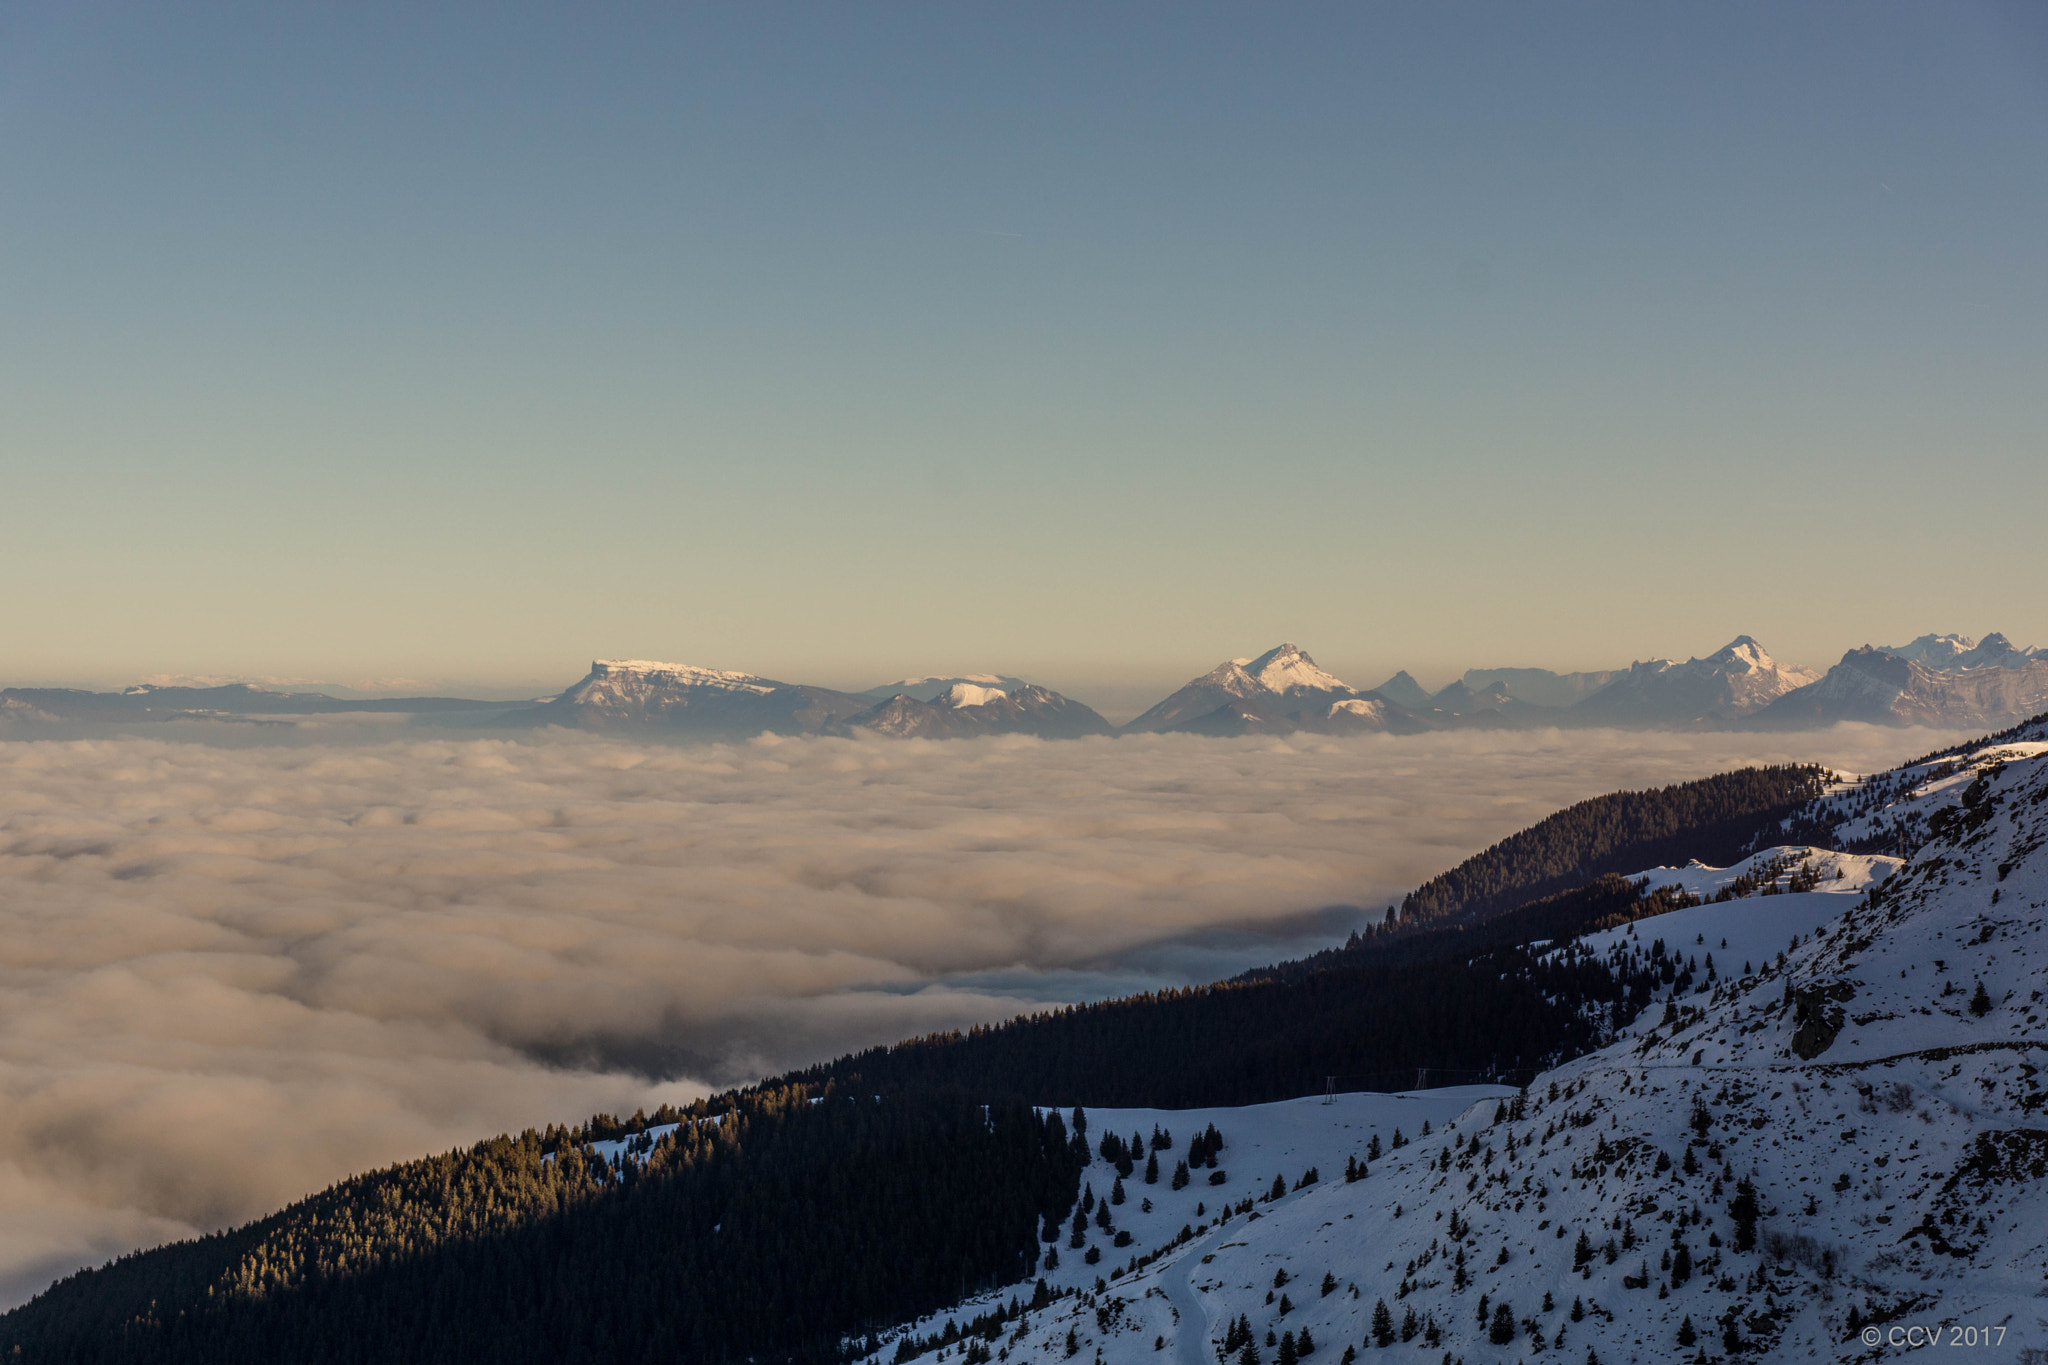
(458, 342)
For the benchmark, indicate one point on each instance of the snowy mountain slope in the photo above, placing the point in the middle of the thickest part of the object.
(1734, 681)
(1959, 653)
(1279, 692)
(965, 708)
(1849, 1137)
(1881, 687)
(935, 687)
(683, 698)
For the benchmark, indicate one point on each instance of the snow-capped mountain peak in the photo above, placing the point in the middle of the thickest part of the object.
(973, 694)
(1288, 668)
(939, 687)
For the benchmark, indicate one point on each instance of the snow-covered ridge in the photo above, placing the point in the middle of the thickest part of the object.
(675, 675)
(1839, 1131)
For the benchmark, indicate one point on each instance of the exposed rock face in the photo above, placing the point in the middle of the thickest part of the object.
(1734, 681)
(1880, 687)
(1818, 1016)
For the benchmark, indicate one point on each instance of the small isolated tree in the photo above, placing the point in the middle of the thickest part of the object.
(1382, 1324)
(1502, 1332)
(1180, 1175)
(1409, 1326)
(1350, 1355)
(1304, 1344)
(1279, 1188)
(1287, 1354)
(1152, 1169)
(1286, 1305)
(1578, 1311)
(1980, 1003)
(1372, 1149)
(1329, 1284)
(1116, 1191)
(1582, 1251)
(1743, 1210)
(1686, 1335)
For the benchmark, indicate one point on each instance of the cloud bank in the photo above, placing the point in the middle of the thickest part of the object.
(230, 975)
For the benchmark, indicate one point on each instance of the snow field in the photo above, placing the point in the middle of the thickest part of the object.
(1854, 1136)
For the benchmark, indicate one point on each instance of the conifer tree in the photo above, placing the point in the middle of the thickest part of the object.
(1382, 1325)
(1152, 1169)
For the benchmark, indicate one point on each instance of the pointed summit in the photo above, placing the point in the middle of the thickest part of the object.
(1732, 682)
(1403, 690)
(1278, 692)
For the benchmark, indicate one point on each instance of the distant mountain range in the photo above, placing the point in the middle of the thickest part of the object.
(1948, 681)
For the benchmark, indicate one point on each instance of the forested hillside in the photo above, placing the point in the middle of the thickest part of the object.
(1717, 820)
(1253, 1041)
(765, 1229)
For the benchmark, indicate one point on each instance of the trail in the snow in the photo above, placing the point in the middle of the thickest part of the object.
(1191, 1336)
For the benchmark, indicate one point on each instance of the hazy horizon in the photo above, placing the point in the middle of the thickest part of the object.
(1117, 698)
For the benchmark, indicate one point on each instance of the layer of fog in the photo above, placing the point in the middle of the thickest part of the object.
(230, 975)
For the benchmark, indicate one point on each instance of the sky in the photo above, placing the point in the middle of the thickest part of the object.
(456, 345)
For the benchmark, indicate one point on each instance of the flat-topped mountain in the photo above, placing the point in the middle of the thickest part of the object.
(683, 698)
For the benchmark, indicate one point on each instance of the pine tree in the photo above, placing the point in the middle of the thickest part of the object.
(1686, 1335)
(1287, 1354)
(1152, 1169)
(1980, 1003)
(1502, 1332)
(1382, 1324)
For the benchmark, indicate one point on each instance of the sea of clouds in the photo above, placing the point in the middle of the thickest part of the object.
(231, 975)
